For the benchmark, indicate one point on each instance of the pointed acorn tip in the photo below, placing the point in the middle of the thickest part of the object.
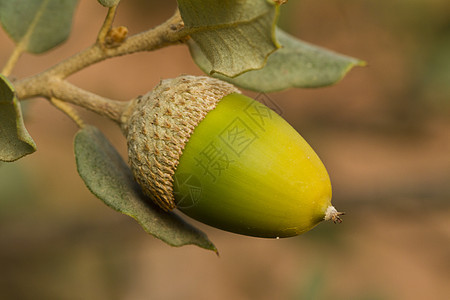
(334, 215)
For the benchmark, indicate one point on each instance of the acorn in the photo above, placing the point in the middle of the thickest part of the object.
(197, 144)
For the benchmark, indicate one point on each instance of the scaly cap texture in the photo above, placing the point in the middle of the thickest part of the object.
(158, 126)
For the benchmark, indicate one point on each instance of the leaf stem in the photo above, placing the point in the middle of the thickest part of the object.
(106, 25)
(68, 110)
(12, 60)
(23, 43)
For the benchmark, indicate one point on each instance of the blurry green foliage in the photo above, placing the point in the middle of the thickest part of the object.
(16, 190)
(37, 25)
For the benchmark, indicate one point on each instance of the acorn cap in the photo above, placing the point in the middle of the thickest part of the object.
(159, 124)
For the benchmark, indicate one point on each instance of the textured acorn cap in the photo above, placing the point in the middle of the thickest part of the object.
(158, 126)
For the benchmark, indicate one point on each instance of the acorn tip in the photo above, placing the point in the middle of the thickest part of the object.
(332, 214)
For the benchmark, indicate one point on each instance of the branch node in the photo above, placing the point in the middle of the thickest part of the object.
(115, 37)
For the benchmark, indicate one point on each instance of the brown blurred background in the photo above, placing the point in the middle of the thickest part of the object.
(382, 132)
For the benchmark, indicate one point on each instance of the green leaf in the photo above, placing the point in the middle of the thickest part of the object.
(108, 3)
(37, 25)
(15, 142)
(109, 178)
(297, 64)
(235, 35)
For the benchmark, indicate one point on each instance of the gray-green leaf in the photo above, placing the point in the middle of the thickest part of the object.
(109, 178)
(235, 35)
(297, 64)
(37, 25)
(108, 3)
(15, 142)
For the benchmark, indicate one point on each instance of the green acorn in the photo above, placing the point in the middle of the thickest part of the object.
(197, 144)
